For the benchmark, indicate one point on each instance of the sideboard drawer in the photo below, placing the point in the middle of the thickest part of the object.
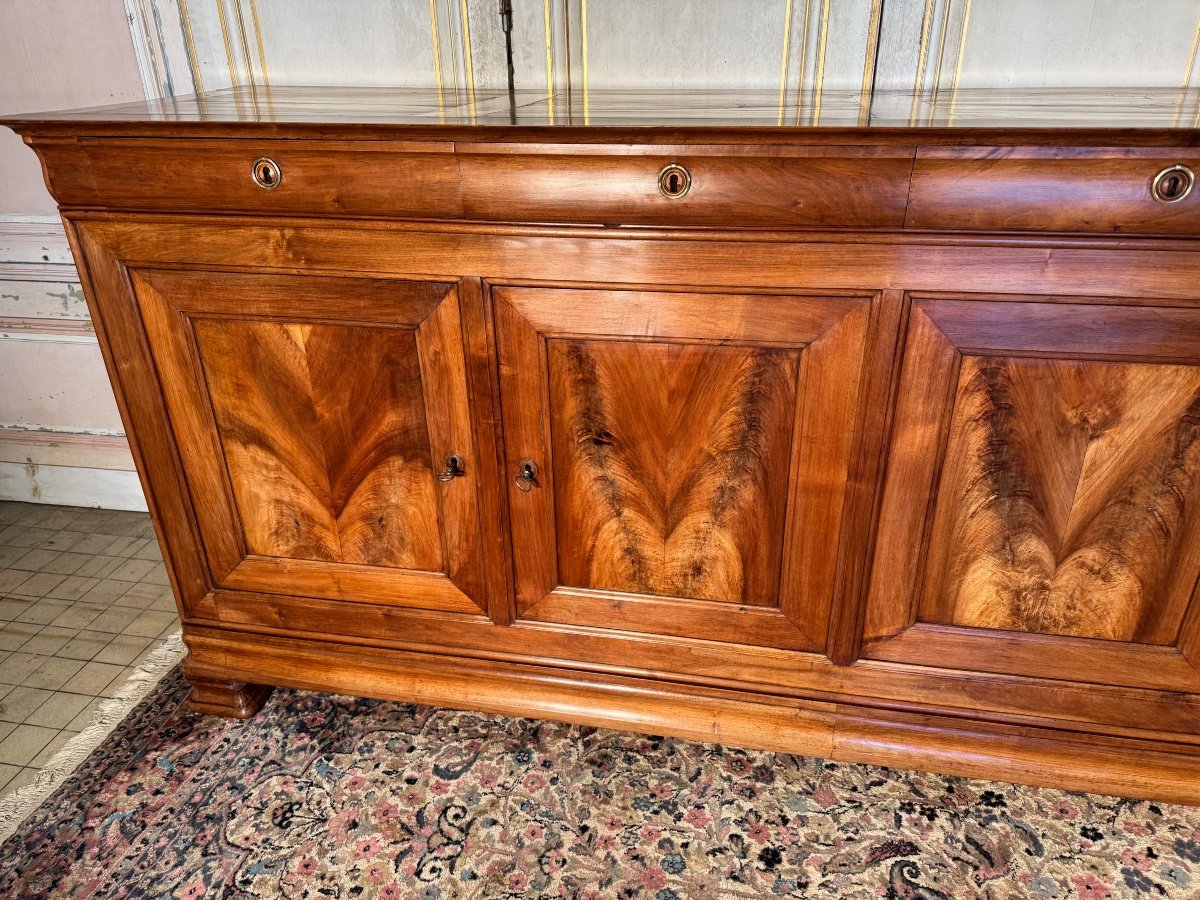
(1052, 189)
(765, 186)
(352, 178)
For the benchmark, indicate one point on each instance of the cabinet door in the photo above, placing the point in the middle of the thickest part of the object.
(313, 417)
(691, 456)
(1042, 508)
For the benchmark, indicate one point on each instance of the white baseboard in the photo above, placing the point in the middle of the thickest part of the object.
(71, 469)
(71, 486)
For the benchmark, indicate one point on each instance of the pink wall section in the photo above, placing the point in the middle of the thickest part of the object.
(57, 54)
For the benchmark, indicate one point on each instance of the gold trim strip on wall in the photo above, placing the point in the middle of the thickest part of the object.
(937, 71)
(234, 81)
(549, 61)
(237, 8)
(803, 61)
(583, 25)
(922, 62)
(470, 65)
(262, 53)
(1187, 76)
(869, 61)
(189, 42)
(819, 85)
(962, 51)
(783, 63)
(437, 61)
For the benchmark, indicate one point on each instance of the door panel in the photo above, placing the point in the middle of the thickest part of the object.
(687, 483)
(1062, 536)
(331, 406)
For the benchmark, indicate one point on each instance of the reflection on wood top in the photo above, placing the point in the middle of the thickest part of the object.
(326, 110)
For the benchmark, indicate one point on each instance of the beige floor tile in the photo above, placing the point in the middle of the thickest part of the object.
(79, 615)
(67, 563)
(58, 710)
(14, 634)
(25, 742)
(6, 775)
(158, 576)
(118, 682)
(35, 560)
(22, 702)
(44, 611)
(17, 667)
(24, 776)
(125, 547)
(53, 673)
(123, 649)
(132, 570)
(93, 543)
(19, 536)
(84, 719)
(92, 678)
(105, 592)
(6, 728)
(8, 555)
(99, 566)
(73, 587)
(64, 539)
(150, 624)
(165, 603)
(140, 596)
(38, 584)
(61, 517)
(151, 551)
(115, 619)
(86, 645)
(12, 607)
(10, 578)
(47, 753)
(48, 641)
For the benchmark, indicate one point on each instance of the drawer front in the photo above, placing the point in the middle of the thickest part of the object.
(321, 178)
(1037, 189)
(833, 187)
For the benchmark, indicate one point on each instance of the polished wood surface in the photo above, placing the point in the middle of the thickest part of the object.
(880, 442)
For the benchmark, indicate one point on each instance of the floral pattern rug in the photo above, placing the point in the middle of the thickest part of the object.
(327, 797)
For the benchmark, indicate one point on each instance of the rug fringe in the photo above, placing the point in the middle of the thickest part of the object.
(16, 807)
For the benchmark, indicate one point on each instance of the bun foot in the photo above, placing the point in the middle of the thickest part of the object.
(233, 699)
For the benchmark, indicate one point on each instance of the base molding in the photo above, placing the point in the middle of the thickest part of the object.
(220, 659)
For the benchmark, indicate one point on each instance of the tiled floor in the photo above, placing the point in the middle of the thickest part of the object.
(83, 599)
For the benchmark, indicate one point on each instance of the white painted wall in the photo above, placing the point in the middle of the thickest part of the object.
(60, 435)
(57, 417)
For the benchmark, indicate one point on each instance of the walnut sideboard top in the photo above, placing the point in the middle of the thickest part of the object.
(863, 432)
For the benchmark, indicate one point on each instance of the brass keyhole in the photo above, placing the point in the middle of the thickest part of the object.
(266, 173)
(1172, 184)
(674, 181)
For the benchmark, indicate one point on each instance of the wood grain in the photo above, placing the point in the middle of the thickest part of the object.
(1068, 503)
(671, 467)
(324, 436)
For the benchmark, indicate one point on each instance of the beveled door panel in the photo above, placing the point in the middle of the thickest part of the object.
(691, 457)
(1063, 532)
(315, 415)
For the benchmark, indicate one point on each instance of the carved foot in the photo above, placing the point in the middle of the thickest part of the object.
(234, 699)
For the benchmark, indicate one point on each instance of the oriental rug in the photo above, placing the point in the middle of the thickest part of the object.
(322, 796)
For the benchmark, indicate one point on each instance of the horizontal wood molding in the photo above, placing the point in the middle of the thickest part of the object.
(827, 730)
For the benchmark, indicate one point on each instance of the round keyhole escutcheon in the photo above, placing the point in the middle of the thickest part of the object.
(674, 181)
(1172, 184)
(266, 173)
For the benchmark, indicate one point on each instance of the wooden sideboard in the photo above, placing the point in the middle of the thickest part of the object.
(872, 440)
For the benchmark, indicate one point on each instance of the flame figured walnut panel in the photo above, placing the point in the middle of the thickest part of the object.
(1067, 502)
(324, 435)
(695, 453)
(1039, 515)
(671, 467)
(311, 412)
